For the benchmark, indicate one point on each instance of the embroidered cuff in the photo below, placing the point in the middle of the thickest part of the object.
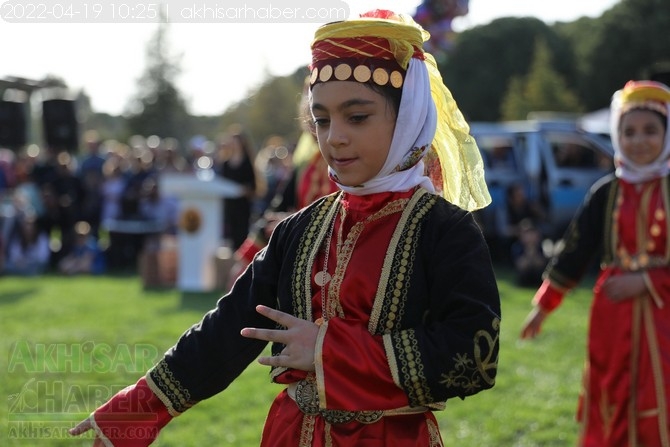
(132, 418)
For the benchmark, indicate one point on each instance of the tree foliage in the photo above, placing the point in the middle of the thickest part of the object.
(629, 40)
(158, 108)
(543, 89)
(485, 59)
(492, 70)
(273, 109)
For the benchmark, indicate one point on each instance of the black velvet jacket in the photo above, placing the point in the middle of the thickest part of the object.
(438, 310)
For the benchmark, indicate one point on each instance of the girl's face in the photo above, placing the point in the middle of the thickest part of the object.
(641, 136)
(354, 127)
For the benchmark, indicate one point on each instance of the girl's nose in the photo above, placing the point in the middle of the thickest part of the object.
(336, 136)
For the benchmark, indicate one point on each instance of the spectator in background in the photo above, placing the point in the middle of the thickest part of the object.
(528, 256)
(516, 209)
(112, 190)
(235, 162)
(7, 177)
(274, 166)
(309, 180)
(157, 209)
(28, 251)
(91, 176)
(86, 255)
(65, 202)
(168, 158)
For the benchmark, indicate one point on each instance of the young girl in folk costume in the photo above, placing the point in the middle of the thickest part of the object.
(625, 217)
(380, 299)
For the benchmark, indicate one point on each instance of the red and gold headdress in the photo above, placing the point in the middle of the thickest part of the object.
(646, 95)
(353, 50)
(377, 48)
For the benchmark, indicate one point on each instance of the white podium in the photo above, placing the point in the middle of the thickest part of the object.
(201, 211)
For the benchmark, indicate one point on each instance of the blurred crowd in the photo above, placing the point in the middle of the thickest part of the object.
(100, 209)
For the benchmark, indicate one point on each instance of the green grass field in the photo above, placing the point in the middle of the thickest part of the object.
(69, 343)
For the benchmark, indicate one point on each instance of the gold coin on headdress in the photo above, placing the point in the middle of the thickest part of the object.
(651, 245)
(380, 76)
(655, 230)
(326, 73)
(342, 72)
(314, 76)
(362, 73)
(659, 214)
(396, 79)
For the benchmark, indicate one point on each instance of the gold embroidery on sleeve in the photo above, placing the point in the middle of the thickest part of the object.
(169, 390)
(469, 371)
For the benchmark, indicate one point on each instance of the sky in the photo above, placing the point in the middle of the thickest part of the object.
(221, 62)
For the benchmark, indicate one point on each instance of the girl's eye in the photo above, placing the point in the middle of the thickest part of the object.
(320, 121)
(358, 118)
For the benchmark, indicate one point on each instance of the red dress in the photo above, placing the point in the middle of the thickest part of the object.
(626, 391)
(408, 317)
(352, 352)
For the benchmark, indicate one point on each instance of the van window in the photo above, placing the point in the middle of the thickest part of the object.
(497, 152)
(571, 151)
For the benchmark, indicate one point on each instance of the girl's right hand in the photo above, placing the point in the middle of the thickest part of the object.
(82, 428)
(533, 324)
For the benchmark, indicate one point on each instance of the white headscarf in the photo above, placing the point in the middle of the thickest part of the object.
(414, 132)
(625, 168)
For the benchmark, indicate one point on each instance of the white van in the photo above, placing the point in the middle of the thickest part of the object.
(555, 161)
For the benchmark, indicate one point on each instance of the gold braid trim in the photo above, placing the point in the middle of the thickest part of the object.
(169, 390)
(434, 433)
(391, 297)
(410, 364)
(308, 248)
(307, 431)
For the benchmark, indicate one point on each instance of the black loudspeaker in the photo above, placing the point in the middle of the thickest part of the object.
(61, 130)
(12, 125)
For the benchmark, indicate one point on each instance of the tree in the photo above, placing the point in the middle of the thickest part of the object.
(625, 43)
(270, 110)
(543, 89)
(485, 58)
(158, 108)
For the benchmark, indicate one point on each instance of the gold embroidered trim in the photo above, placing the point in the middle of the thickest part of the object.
(333, 306)
(318, 363)
(434, 434)
(636, 332)
(468, 371)
(486, 362)
(307, 431)
(657, 371)
(308, 248)
(390, 356)
(389, 308)
(169, 390)
(665, 193)
(411, 366)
